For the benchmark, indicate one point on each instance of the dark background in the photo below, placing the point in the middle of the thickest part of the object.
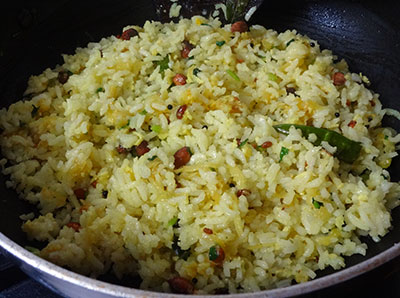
(366, 33)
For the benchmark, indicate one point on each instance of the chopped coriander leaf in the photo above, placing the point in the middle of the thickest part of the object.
(233, 75)
(272, 77)
(196, 71)
(126, 125)
(35, 110)
(213, 169)
(189, 151)
(191, 57)
(144, 112)
(172, 221)
(204, 24)
(156, 128)
(70, 73)
(317, 204)
(289, 42)
(101, 89)
(243, 143)
(220, 43)
(284, 151)
(163, 64)
(152, 158)
(386, 137)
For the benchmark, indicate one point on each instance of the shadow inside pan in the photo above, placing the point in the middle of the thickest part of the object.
(364, 33)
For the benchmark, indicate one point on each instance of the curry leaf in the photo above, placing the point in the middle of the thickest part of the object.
(235, 9)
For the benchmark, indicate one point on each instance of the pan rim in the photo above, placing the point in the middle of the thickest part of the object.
(112, 290)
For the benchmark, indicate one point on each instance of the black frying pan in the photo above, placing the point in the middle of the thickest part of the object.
(35, 33)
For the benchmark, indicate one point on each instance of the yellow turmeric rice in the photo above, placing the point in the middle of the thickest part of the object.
(155, 155)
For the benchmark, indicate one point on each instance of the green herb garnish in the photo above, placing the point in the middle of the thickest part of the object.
(156, 128)
(233, 75)
(213, 253)
(243, 143)
(284, 151)
(152, 158)
(262, 57)
(34, 111)
(213, 169)
(386, 137)
(163, 64)
(144, 112)
(272, 77)
(172, 221)
(205, 24)
(289, 42)
(126, 125)
(196, 71)
(101, 89)
(317, 204)
(220, 43)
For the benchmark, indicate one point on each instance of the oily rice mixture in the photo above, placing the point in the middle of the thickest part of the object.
(154, 154)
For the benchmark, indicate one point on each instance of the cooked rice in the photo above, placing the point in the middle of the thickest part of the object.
(65, 137)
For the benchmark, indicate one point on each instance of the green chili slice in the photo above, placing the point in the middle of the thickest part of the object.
(346, 149)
